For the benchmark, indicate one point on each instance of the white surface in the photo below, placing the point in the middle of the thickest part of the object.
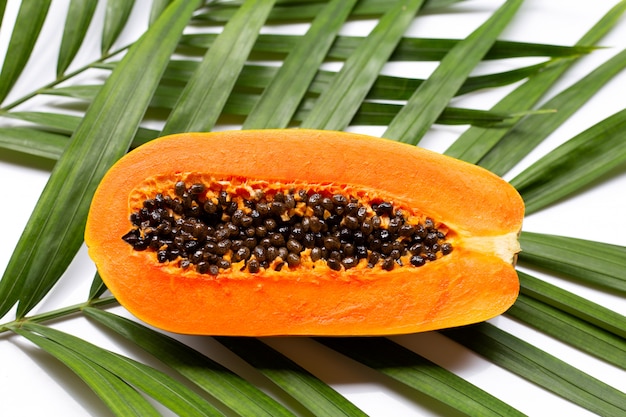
(33, 384)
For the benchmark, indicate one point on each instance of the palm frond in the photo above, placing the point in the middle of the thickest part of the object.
(220, 76)
(578, 162)
(169, 391)
(33, 141)
(122, 399)
(424, 107)
(408, 49)
(116, 17)
(28, 25)
(518, 142)
(52, 132)
(55, 231)
(596, 263)
(306, 10)
(570, 329)
(575, 305)
(421, 374)
(233, 391)
(316, 396)
(279, 100)
(201, 102)
(158, 6)
(476, 142)
(79, 16)
(532, 363)
(3, 6)
(340, 101)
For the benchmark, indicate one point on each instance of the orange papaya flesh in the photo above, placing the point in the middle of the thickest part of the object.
(465, 273)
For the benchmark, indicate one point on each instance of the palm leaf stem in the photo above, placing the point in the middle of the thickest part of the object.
(4, 109)
(59, 313)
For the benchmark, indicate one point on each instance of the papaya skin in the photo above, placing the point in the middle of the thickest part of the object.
(475, 282)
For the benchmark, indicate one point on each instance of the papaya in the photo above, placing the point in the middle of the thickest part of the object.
(303, 232)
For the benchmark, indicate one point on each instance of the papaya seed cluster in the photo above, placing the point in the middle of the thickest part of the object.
(213, 231)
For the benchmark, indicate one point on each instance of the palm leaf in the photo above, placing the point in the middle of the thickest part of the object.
(26, 32)
(571, 330)
(255, 77)
(421, 374)
(201, 102)
(97, 289)
(284, 92)
(51, 135)
(424, 107)
(575, 305)
(158, 6)
(598, 331)
(517, 143)
(233, 391)
(33, 141)
(578, 162)
(3, 6)
(408, 49)
(307, 10)
(116, 16)
(170, 392)
(121, 398)
(79, 17)
(337, 105)
(102, 137)
(596, 263)
(258, 77)
(541, 368)
(476, 142)
(313, 394)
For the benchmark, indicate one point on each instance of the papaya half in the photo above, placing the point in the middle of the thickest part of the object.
(303, 232)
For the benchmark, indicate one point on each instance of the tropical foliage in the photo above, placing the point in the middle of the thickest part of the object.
(175, 65)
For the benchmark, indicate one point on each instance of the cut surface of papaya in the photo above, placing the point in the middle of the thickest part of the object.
(303, 232)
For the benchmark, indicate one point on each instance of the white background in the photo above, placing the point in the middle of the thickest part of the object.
(32, 383)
